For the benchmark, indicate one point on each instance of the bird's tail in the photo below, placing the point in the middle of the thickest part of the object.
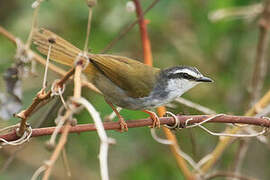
(62, 51)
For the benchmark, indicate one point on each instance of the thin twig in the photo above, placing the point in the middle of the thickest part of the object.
(193, 105)
(46, 68)
(10, 159)
(239, 157)
(33, 26)
(88, 30)
(58, 149)
(127, 28)
(66, 163)
(227, 174)
(233, 13)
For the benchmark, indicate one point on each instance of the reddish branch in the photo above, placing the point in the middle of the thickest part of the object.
(144, 35)
(263, 122)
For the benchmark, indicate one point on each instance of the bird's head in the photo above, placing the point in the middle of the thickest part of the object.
(182, 78)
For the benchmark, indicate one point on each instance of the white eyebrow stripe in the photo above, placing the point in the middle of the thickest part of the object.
(188, 71)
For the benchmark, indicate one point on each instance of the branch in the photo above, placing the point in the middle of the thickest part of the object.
(263, 122)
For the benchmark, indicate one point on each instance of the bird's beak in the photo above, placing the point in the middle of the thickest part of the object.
(204, 79)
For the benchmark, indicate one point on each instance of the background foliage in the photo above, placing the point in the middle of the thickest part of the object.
(181, 34)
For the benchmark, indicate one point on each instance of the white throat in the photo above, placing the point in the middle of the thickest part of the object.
(177, 87)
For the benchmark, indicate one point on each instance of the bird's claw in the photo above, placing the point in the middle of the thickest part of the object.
(156, 121)
(123, 125)
(154, 117)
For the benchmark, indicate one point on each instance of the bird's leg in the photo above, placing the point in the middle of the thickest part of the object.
(154, 117)
(121, 120)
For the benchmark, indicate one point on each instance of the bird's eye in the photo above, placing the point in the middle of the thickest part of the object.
(186, 76)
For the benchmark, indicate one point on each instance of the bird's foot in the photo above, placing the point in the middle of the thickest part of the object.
(121, 121)
(155, 119)
(123, 124)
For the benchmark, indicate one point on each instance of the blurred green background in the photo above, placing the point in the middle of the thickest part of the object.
(181, 34)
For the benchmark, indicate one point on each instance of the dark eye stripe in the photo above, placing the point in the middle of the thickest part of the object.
(181, 76)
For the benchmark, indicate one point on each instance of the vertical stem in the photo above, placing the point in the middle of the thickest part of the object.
(58, 149)
(88, 30)
(34, 24)
(161, 110)
(46, 68)
(239, 156)
(66, 163)
(147, 53)
(260, 62)
(77, 81)
(174, 146)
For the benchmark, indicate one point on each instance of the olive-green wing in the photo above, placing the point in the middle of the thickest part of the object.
(134, 77)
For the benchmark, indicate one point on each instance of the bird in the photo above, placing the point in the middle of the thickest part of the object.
(123, 81)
